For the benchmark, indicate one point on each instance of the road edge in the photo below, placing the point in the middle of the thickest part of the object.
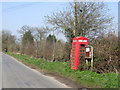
(62, 79)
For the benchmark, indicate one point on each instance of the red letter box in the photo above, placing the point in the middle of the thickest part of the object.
(78, 50)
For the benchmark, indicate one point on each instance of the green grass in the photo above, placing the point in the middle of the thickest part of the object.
(85, 78)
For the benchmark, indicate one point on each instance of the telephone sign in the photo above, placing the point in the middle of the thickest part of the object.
(82, 40)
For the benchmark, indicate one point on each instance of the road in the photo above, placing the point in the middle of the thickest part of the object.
(17, 75)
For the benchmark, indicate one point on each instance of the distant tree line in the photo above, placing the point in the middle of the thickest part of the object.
(92, 22)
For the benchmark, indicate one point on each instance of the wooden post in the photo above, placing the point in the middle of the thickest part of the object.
(87, 63)
(75, 18)
(91, 58)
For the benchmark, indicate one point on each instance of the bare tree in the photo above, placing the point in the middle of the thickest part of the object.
(39, 37)
(106, 53)
(91, 18)
(27, 41)
(8, 41)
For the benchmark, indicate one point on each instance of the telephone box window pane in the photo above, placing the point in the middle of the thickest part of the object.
(82, 45)
(74, 44)
(74, 40)
(81, 54)
(82, 50)
(73, 47)
(73, 50)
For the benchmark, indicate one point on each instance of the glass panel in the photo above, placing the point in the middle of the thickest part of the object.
(82, 45)
(73, 44)
(74, 40)
(82, 50)
(73, 50)
(82, 54)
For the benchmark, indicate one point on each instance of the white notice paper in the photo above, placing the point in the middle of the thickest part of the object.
(87, 49)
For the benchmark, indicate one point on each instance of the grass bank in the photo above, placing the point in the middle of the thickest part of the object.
(85, 78)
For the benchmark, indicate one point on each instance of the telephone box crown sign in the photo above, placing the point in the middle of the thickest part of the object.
(80, 38)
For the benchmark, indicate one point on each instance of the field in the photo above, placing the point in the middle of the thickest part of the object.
(85, 78)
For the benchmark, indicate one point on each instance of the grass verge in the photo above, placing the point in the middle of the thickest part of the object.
(85, 78)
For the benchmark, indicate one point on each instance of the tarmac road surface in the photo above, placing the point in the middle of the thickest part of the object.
(17, 75)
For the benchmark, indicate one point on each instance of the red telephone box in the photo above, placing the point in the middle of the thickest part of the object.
(77, 51)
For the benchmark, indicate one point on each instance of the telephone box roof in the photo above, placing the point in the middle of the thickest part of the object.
(80, 38)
